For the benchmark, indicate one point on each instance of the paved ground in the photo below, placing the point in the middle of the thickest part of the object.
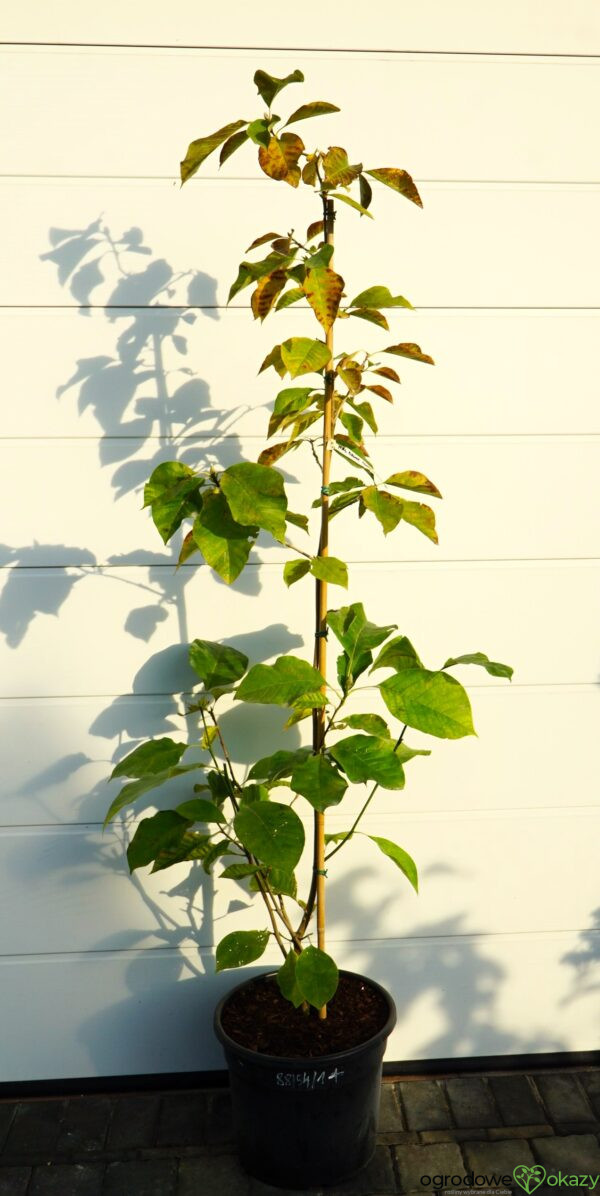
(179, 1143)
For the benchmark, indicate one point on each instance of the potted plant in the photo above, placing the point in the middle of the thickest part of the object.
(305, 1043)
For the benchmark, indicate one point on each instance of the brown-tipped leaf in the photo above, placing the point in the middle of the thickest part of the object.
(411, 351)
(410, 479)
(323, 289)
(338, 171)
(266, 292)
(280, 158)
(398, 180)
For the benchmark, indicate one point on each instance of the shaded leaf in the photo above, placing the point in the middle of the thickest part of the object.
(300, 521)
(301, 355)
(410, 479)
(256, 495)
(373, 724)
(200, 810)
(270, 455)
(338, 171)
(366, 192)
(381, 391)
(314, 229)
(366, 413)
(216, 664)
(188, 548)
(493, 667)
(398, 180)
(385, 371)
(281, 764)
(200, 149)
(354, 427)
(130, 792)
(259, 132)
(379, 297)
(351, 376)
(400, 857)
(271, 832)
(286, 981)
(262, 240)
(385, 507)
(409, 350)
(316, 976)
(192, 846)
(288, 682)
(295, 570)
(215, 852)
(268, 86)
(323, 289)
(239, 871)
(240, 948)
(369, 758)
(231, 145)
(316, 779)
(431, 702)
(154, 834)
(321, 256)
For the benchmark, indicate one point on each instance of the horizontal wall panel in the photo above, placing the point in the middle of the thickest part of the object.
(496, 372)
(540, 26)
(439, 117)
(478, 873)
(126, 630)
(473, 245)
(58, 772)
(90, 494)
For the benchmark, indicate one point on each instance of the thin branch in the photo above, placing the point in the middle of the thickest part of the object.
(350, 833)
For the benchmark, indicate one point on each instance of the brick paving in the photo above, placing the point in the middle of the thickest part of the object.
(180, 1143)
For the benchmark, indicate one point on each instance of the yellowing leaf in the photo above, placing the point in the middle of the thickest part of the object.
(266, 291)
(413, 352)
(280, 158)
(372, 315)
(338, 170)
(386, 507)
(203, 146)
(382, 391)
(398, 180)
(301, 355)
(314, 108)
(232, 145)
(410, 479)
(314, 229)
(323, 289)
(421, 517)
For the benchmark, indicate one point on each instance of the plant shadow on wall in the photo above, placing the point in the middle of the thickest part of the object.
(585, 959)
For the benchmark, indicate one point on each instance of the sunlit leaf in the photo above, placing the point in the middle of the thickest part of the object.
(397, 654)
(385, 371)
(150, 758)
(357, 636)
(281, 764)
(231, 145)
(289, 401)
(138, 788)
(323, 289)
(398, 180)
(289, 297)
(372, 315)
(262, 241)
(295, 570)
(369, 758)
(256, 495)
(366, 412)
(267, 289)
(188, 548)
(379, 297)
(216, 664)
(240, 948)
(382, 392)
(280, 158)
(203, 146)
(420, 516)
(431, 702)
(314, 229)
(330, 569)
(259, 132)
(373, 724)
(272, 832)
(338, 171)
(400, 858)
(288, 682)
(411, 351)
(268, 86)
(410, 479)
(275, 359)
(314, 108)
(321, 256)
(493, 667)
(309, 170)
(302, 355)
(351, 376)
(319, 782)
(385, 507)
(172, 492)
(352, 203)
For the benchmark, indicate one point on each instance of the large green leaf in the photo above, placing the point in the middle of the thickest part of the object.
(400, 857)
(272, 832)
(373, 724)
(191, 847)
(411, 351)
(398, 654)
(153, 835)
(295, 570)
(410, 479)
(200, 149)
(493, 667)
(385, 507)
(316, 976)
(431, 702)
(314, 108)
(330, 569)
(301, 355)
(398, 180)
(286, 981)
(288, 682)
(379, 297)
(130, 792)
(256, 495)
(369, 758)
(338, 171)
(323, 289)
(358, 637)
(319, 782)
(280, 764)
(268, 86)
(217, 664)
(150, 758)
(224, 543)
(172, 492)
(240, 948)
(200, 810)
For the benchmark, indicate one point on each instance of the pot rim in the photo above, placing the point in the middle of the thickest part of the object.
(291, 1061)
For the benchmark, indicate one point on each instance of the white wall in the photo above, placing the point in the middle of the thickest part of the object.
(494, 112)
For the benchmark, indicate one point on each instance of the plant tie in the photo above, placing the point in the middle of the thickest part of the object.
(322, 635)
(324, 489)
(320, 871)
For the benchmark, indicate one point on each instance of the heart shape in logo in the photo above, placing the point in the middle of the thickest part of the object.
(529, 1178)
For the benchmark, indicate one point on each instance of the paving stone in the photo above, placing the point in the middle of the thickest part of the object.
(215, 1176)
(574, 1154)
(516, 1100)
(443, 1159)
(35, 1128)
(564, 1098)
(219, 1127)
(134, 1121)
(183, 1118)
(154, 1177)
(498, 1159)
(58, 1179)
(390, 1115)
(591, 1082)
(259, 1189)
(519, 1131)
(425, 1105)
(7, 1112)
(14, 1180)
(471, 1102)
(377, 1179)
(85, 1125)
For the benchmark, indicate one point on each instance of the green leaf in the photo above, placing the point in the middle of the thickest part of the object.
(369, 758)
(214, 853)
(320, 257)
(216, 664)
(275, 359)
(351, 375)
(161, 831)
(256, 495)
(401, 859)
(385, 507)
(353, 425)
(330, 569)
(366, 413)
(150, 758)
(272, 832)
(379, 297)
(280, 764)
(366, 191)
(314, 108)
(398, 654)
(239, 871)
(319, 782)
(130, 793)
(493, 667)
(286, 981)
(279, 160)
(259, 132)
(288, 682)
(431, 702)
(199, 810)
(255, 792)
(373, 724)
(172, 492)
(289, 402)
(323, 289)
(410, 479)
(231, 145)
(295, 570)
(398, 180)
(189, 848)
(301, 355)
(372, 315)
(413, 352)
(316, 976)
(279, 881)
(297, 520)
(218, 786)
(338, 171)
(422, 517)
(358, 637)
(352, 204)
(268, 86)
(241, 947)
(224, 543)
(203, 146)
(289, 297)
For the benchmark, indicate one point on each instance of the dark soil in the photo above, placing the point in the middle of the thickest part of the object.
(260, 1019)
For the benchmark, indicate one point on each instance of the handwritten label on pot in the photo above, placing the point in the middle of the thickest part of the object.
(310, 1080)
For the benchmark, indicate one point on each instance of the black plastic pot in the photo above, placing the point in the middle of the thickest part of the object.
(302, 1123)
